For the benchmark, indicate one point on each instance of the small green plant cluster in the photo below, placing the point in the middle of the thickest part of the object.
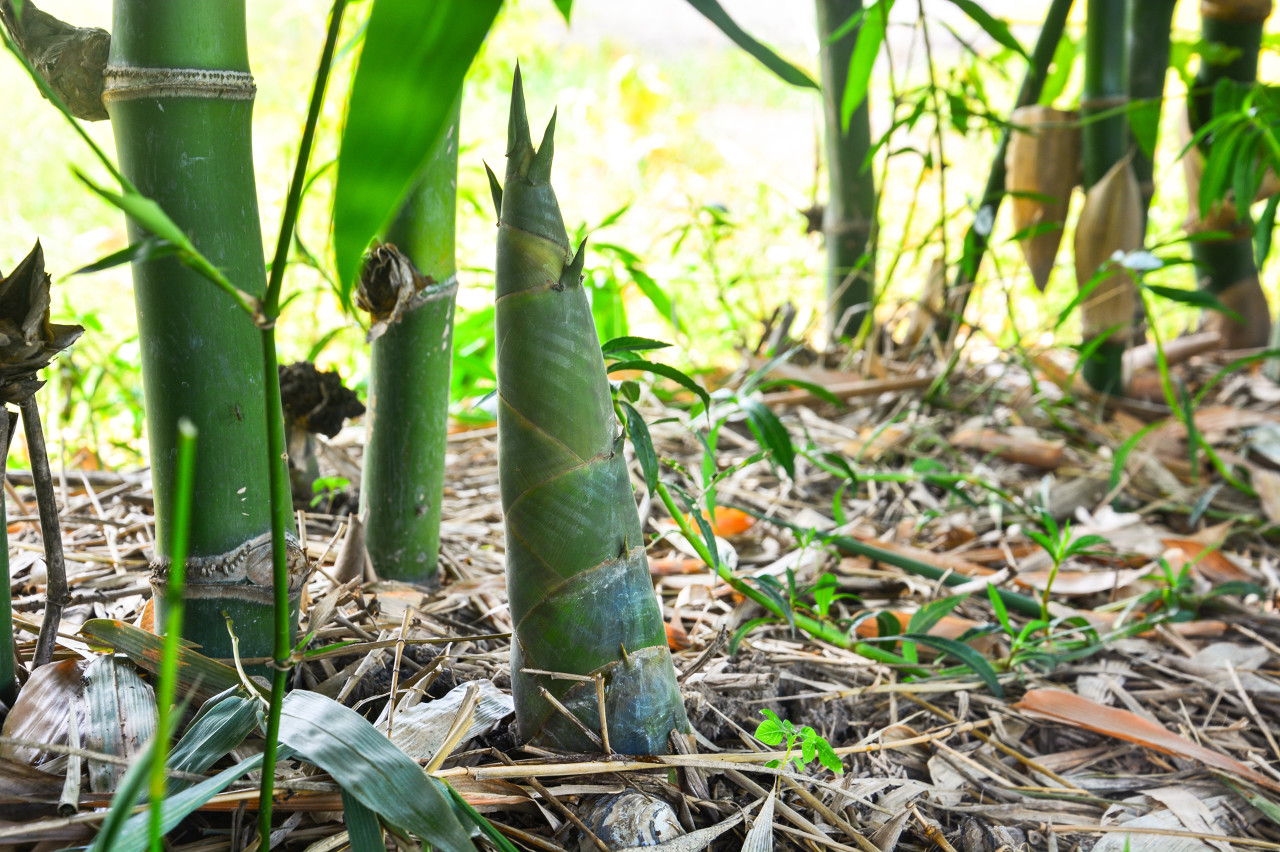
(774, 731)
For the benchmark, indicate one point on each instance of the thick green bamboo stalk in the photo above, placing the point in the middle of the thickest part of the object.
(1150, 26)
(849, 219)
(180, 97)
(409, 367)
(1226, 267)
(1105, 140)
(577, 575)
(978, 237)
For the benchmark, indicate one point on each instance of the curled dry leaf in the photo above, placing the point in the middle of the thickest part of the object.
(1042, 166)
(391, 286)
(28, 341)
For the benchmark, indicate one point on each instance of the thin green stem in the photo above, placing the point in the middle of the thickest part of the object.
(8, 658)
(281, 501)
(167, 684)
(815, 628)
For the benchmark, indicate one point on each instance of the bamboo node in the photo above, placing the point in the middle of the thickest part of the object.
(127, 83)
(249, 563)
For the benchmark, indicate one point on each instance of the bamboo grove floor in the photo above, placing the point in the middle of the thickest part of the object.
(1160, 739)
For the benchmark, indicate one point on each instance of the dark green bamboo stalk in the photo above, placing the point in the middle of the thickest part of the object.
(409, 367)
(1104, 142)
(1226, 267)
(978, 237)
(1150, 26)
(577, 575)
(57, 594)
(180, 97)
(849, 219)
(8, 648)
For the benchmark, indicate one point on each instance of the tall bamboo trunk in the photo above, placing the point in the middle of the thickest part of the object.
(1226, 267)
(180, 98)
(8, 646)
(1150, 26)
(402, 490)
(1108, 312)
(978, 237)
(577, 576)
(849, 219)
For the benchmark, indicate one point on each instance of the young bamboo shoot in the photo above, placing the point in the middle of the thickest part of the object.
(577, 576)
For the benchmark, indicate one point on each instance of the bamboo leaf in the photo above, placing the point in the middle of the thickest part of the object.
(994, 27)
(664, 370)
(565, 7)
(148, 248)
(366, 764)
(1202, 299)
(631, 344)
(1263, 229)
(411, 68)
(643, 443)
(714, 12)
(966, 655)
(195, 671)
(112, 835)
(221, 725)
(656, 295)
(771, 434)
(923, 619)
(863, 59)
(363, 829)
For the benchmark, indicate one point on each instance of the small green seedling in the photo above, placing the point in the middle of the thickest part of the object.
(773, 731)
(326, 487)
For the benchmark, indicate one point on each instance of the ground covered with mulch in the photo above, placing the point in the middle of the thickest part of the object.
(1139, 716)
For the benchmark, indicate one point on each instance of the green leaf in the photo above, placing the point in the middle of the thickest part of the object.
(565, 7)
(1144, 120)
(664, 370)
(221, 725)
(923, 619)
(811, 387)
(827, 756)
(656, 295)
(410, 75)
(789, 73)
(965, 655)
(1202, 299)
(196, 672)
(769, 732)
(363, 829)
(147, 248)
(771, 434)
(114, 832)
(1263, 229)
(643, 443)
(1002, 612)
(632, 344)
(863, 58)
(994, 27)
(368, 765)
(497, 838)
(744, 629)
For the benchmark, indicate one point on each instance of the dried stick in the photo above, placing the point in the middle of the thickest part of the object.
(57, 594)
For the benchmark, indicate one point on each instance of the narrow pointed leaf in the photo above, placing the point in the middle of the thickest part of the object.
(414, 59)
(148, 248)
(994, 27)
(863, 59)
(370, 767)
(363, 829)
(715, 13)
(966, 655)
(643, 443)
(664, 370)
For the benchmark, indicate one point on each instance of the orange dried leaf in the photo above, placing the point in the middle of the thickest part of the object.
(1067, 708)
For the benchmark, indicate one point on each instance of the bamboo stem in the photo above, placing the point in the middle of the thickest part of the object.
(8, 647)
(57, 593)
(978, 237)
(281, 502)
(849, 220)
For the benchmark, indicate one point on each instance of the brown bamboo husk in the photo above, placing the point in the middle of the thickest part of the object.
(1242, 11)
(1110, 221)
(1045, 160)
(1248, 301)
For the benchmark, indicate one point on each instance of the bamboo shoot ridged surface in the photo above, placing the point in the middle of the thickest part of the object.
(577, 576)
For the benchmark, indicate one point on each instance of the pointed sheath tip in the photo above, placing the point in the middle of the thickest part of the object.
(572, 274)
(495, 189)
(518, 135)
(540, 168)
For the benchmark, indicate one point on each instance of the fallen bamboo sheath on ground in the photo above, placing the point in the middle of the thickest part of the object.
(848, 390)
